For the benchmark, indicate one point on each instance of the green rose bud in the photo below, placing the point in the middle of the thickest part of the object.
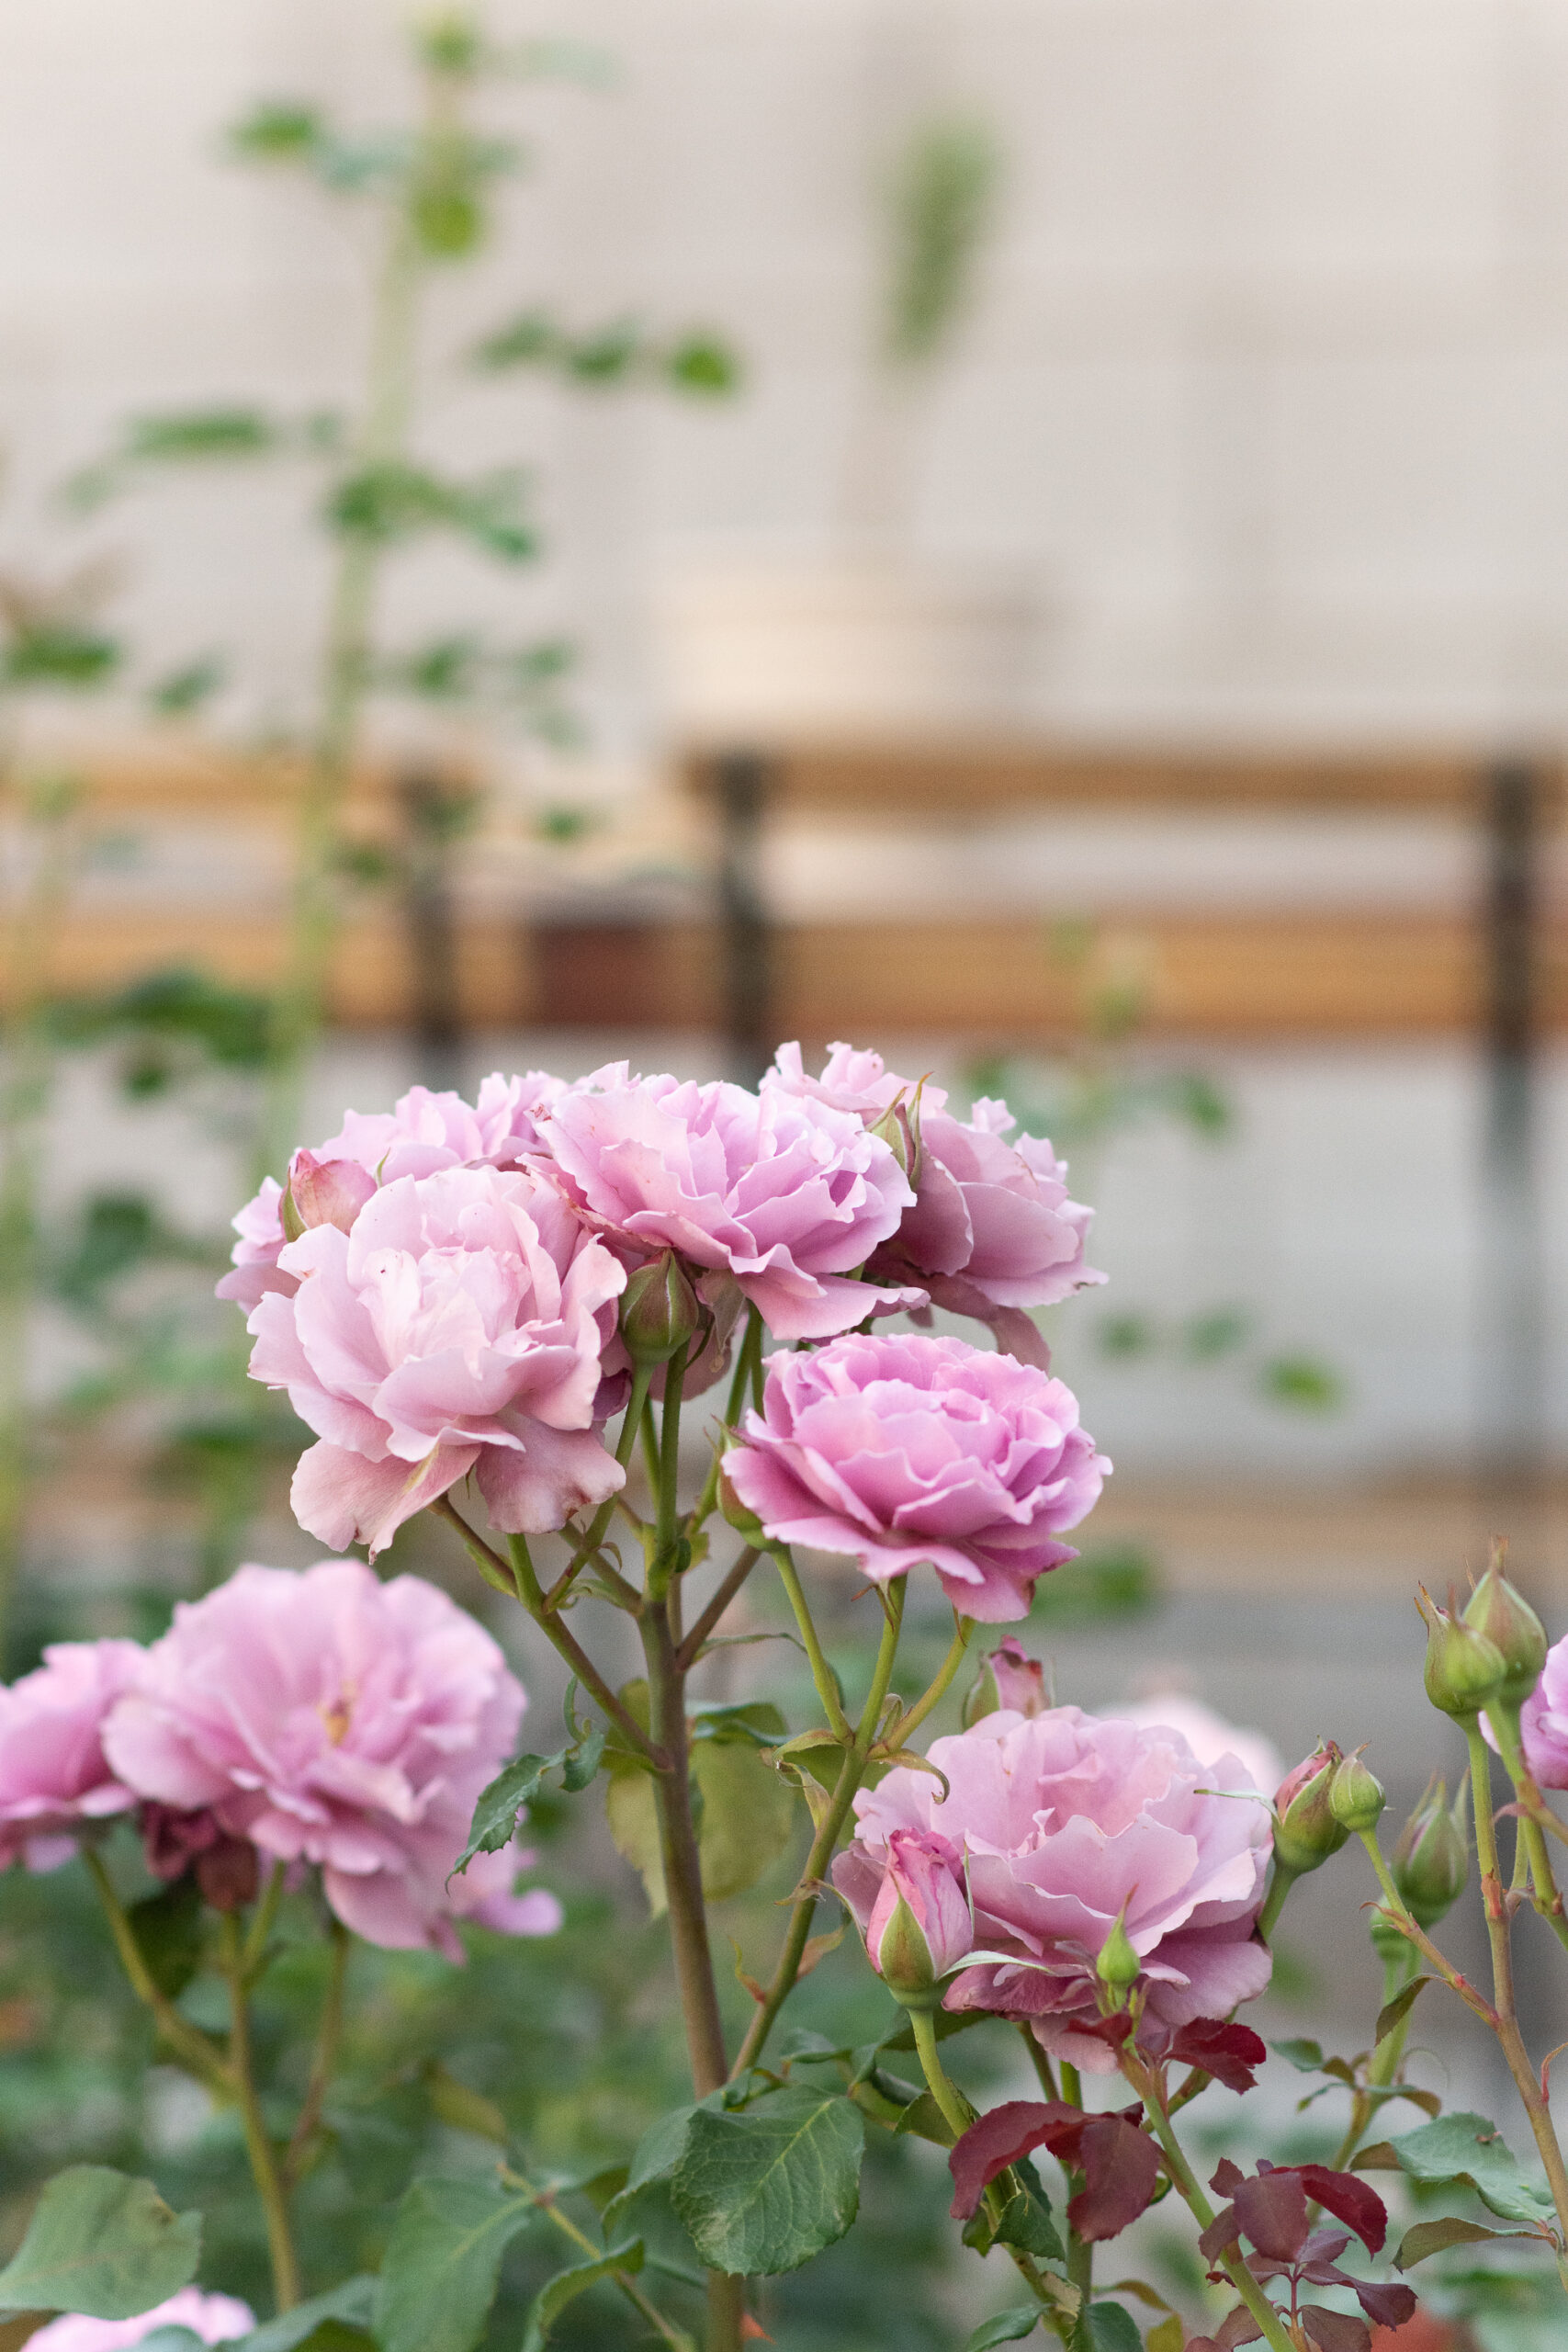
(1119, 1966)
(1305, 1829)
(1464, 1669)
(1356, 1796)
(1432, 1859)
(659, 1311)
(1499, 1611)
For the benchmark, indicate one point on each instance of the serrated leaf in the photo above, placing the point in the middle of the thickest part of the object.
(1470, 2148)
(351, 2303)
(1391, 2013)
(657, 2153)
(1007, 2328)
(582, 1766)
(168, 1928)
(763, 2191)
(1436, 2237)
(101, 2243)
(442, 2258)
(567, 2284)
(495, 1813)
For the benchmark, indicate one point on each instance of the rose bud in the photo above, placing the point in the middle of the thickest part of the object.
(1119, 1966)
(1356, 1796)
(921, 1926)
(1431, 1860)
(1010, 1678)
(323, 1192)
(746, 1524)
(1464, 1669)
(659, 1311)
(901, 1132)
(1500, 1612)
(1305, 1829)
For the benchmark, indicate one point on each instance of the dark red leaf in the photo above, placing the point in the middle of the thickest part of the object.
(1225, 2177)
(1324, 2274)
(1002, 2137)
(1350, 2200)
(1228, 2052)
(1335, 2331)
(1113, 2030)
(1390, 2306)
(1325, 2245)
(1272, 2209)
(1121, 2167)
(1222, 2231)
(1238, 2327)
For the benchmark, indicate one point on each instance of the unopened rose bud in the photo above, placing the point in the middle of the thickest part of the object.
(1306, 1831)
(1500, 1612)
(921, 1926)
(746, 1524)
(1464, 1669)
(1431, 1860)
(898, 1131)
(1119, 1966)
(1356, 1797)
(1010, 1678)
(659, 1311)
(323, 1192)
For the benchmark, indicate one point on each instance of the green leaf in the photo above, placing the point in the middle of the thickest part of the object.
(763, 2191)
(756, 1724)
(658, 2152)
(702, 364)
(1008, 2327)
(1106, 2327)
(633, 1817)
(581, 1767)
(1436, 2237)
(567, 2284)
(168, 1928)
(1305, 2056)
(495, 1815)
(748, 1816)
(351, 2304)
(922, 2117)
(1469, 2148)
(1304, 1383)
(442, 2262)
(278, 131)
(1391, 2013)
(186, 688)
(1026, 2221)
(103, 2243)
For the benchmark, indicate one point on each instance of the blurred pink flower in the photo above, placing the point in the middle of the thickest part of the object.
(332, 1719)
(992, 1230)
(784, 1196)
(1209, 1736)
(216, 2319)
(459, 1327)
(899, 1450)
(422, 1133)
(1544, 1721)
(1068, 1824)
(926, 1873)
(53, 1774)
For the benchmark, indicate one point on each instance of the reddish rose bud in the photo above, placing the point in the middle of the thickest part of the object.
(921, 1926)
(323, 1192)
(1305, 1831)
(1010, 1678)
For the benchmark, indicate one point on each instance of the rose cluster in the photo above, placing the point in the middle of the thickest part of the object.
(321, 1721)
(439, 1290)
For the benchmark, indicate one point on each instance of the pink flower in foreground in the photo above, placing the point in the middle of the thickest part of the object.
(1544, 1721)
(216, 2319)
(53, 1775)
(783, 1196)
(899, 1450)
(925, 1875)
(422, 1133)
(1068, 1824)
(459, 1327)
(992, 1230)
(1209, 1736)
(335, 1720)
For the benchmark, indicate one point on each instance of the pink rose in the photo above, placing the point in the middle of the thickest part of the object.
(1068, 1823)
(992, 1230)
(899, 1450)
(216, 2319)
(926, 1874)
(779, 1197)
(1020, 1679)
(1209, 1736)
(458, 1326)
(53, 1775)
(331, 1719)
(1544, 1721)
(422, 1133)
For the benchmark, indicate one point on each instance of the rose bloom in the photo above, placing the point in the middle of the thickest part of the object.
(216, 2319)
(335, 1720)
(897, 1450)
(53, 1775)
(785, 1198)
(458, 1327)
(1544, 1721)
(992, 1230)
(1209, 1736)
(422, 1133)
(1065, 1822)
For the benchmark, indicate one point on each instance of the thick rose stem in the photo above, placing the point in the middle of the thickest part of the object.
(258, 2146)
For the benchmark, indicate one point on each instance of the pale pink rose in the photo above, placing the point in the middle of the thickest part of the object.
(1544, 1721)
(333, 1720)
(898, 1450)
(926, 1873)
(459, 1326)
(781, 1197)
(992, 1230)
(216, 2319)
(421, 1133)
(1068, 1824)
(1209, 1736)
(54, 1778)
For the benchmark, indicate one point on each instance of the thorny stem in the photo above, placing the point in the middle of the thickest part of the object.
(1393, 1905)
(258, 2146)
(198, 2055)
(691, 1646)
(323, 2061)
(851, 1774)
(545, 2200)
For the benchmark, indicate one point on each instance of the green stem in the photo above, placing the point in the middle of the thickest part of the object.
(821, 1672)
(1504, 1721)
(679, 1855)
(262, 1920)
(850, 1775)
(1280, 1885)
(258, 2146)
(938, 1689)
(323, 2060)
(667, 1521)
(752, 1343)
(567, 1645)
(1186, 2184)
(954, 2112)
(1397, 1971)
(194, 2051)
(548, 2203)
(691, 1648)
(1080, 2251)
(641, 1377)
